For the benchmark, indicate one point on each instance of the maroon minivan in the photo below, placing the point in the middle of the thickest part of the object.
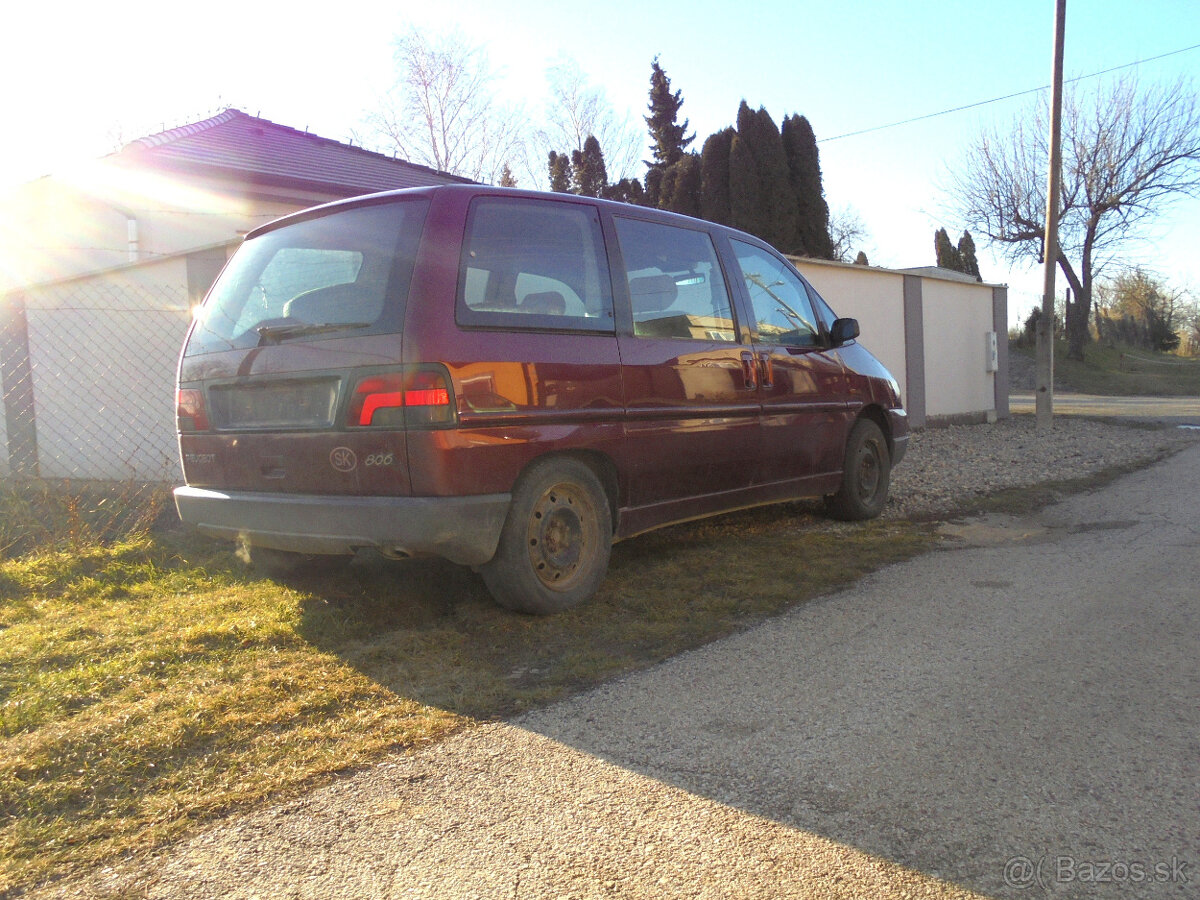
(513, 380)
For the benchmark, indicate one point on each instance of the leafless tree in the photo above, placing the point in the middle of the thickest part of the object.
(576, 109)
(1127, 153)
(847, 232)
(442, 111)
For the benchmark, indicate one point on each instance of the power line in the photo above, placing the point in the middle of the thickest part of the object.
(946, 112)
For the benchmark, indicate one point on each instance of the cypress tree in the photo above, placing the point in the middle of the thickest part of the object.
(560, 173)
(681, 186)
(654, 177)
(766, 182)
(627, 190)
(804, 170)
(589, 177)
(714, 177)
(966, 253)
(747, 207)
(861, 259)
(947, 255)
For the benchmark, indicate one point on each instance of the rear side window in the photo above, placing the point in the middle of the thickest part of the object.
(534, 264)
(342, 273)
(676, 286)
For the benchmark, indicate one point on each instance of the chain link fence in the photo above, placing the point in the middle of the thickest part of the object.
(87, 436)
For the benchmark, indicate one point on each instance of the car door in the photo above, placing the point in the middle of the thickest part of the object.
(689, 377)
(802, 383)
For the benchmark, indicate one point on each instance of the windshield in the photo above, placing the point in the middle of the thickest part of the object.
(346, 272)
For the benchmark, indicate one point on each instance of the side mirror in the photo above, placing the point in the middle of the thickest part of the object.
(843, 331)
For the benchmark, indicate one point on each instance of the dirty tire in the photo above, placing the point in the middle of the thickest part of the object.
(556, 542)
(866, 475)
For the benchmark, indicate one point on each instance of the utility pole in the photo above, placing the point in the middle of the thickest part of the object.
(1045, 329)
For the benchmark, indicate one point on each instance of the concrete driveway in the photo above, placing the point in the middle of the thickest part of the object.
(1017, 715)
(1165, 410)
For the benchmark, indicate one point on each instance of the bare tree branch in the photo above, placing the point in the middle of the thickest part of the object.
(442, 111)
(1127, 154)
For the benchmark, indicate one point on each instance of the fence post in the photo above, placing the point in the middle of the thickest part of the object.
(16, 377)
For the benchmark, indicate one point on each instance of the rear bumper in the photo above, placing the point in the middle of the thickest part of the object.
(464, 530)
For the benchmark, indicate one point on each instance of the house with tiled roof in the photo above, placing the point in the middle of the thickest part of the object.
(192, 189)
(100, 266)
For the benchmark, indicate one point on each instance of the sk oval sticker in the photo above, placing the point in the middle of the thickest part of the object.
(343, 459)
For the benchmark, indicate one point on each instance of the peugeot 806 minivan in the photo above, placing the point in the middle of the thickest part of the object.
(513, 381)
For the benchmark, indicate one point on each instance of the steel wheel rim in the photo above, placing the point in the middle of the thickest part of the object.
(870, 471)
(561, 536)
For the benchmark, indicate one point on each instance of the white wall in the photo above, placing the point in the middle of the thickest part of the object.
(103, 352)
(957, 318)
(873, 296)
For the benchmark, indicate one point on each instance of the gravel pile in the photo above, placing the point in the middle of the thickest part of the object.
(946, 466)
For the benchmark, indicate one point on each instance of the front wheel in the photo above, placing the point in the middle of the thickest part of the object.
(556, 542)
(866, 475)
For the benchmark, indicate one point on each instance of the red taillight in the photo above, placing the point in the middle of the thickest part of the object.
(409, 398)
(190, 412)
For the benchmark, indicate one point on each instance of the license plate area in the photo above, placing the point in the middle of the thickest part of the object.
(294, 403)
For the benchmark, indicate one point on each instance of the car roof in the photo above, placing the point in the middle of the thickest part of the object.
(482, 190)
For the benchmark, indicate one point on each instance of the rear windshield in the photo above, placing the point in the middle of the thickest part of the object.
(341, 274)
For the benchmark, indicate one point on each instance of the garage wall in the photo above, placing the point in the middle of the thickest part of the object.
(873, 296)
(930, 328)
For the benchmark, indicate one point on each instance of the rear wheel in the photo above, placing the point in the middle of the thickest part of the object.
(556, 542)
(866, 475)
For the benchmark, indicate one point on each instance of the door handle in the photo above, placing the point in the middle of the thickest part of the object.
(766, 369)
(749, 371)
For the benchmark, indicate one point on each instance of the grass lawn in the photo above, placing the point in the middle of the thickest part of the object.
(1120, 371)
(153, 683)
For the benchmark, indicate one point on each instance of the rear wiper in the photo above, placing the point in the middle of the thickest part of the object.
(280, 331)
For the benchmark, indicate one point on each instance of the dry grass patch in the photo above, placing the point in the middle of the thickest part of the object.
(152, 684)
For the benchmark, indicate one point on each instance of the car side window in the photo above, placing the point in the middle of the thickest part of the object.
(676, 285)
(534, 264)
(783, 313)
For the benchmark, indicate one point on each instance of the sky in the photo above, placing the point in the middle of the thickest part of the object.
(81, 78)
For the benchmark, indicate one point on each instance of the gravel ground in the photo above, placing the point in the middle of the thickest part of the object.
(501, 811)
(945, 466)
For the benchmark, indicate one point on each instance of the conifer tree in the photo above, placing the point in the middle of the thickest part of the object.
(627, 190)
(966, 253)
(560, 173)
(669, 138)
(946, 253)
(747, 206)
(861, 259)
(681, 186)
(714, 177)
(589, 177)
(759, 183)
(507, 179)
(804, 169)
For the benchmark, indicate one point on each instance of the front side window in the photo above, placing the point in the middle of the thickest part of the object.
(534, 264)
(783, 314)
(342, 273)
(676, 285)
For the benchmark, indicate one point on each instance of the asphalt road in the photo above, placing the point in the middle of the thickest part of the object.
(1016, 715)
(1166, 410)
